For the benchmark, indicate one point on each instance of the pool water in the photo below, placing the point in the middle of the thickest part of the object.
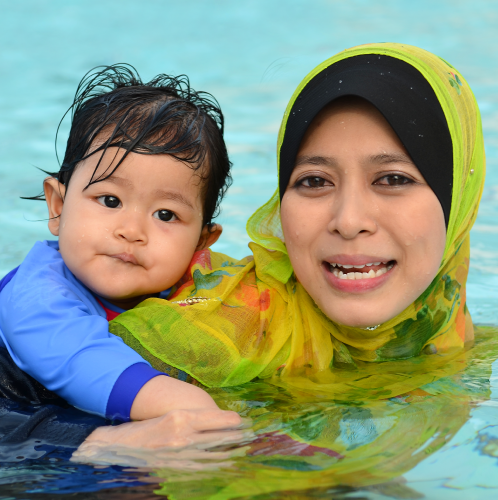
(251, 55)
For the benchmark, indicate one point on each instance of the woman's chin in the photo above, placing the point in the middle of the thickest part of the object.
(361, 303)
(355, 318)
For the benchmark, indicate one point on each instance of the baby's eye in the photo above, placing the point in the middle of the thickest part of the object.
(164, 215)
(394, 180)
(313, 182)
(109, 201)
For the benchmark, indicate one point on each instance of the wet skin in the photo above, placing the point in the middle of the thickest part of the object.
(132, 235)
(356, 203)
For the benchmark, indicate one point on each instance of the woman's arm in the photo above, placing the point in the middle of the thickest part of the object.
(178, 428)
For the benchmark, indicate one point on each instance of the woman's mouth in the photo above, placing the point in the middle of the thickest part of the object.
(361, 272)
(358, 277)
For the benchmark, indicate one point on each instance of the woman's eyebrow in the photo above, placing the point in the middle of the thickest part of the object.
(384, 158)
(327, 161)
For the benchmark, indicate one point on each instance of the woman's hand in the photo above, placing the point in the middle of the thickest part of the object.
(178, 435)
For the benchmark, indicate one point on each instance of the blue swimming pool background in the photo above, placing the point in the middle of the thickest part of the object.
(250, 55)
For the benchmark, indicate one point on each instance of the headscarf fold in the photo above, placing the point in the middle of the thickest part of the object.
(252, 318)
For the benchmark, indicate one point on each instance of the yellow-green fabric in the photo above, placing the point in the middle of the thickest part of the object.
(306, 446)
(258, 321)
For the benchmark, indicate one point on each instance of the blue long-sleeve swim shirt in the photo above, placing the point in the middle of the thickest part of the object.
(56, 330)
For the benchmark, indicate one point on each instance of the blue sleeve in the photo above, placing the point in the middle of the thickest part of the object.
(57, 332)
(126, 389)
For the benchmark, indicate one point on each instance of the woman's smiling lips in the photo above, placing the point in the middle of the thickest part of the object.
(357, 273)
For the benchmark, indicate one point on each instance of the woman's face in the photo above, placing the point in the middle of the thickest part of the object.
(364, 231)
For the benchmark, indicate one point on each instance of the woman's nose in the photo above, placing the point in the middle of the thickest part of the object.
(353, 213)
(131, 227)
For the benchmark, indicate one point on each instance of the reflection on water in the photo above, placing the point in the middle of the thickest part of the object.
(308, 447)
(440, 441)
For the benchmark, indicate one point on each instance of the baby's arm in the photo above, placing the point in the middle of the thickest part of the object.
(162, 394)
(57, 335)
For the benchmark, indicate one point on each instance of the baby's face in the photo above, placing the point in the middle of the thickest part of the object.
(133, 234)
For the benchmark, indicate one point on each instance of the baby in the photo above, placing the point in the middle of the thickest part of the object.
(144, 172)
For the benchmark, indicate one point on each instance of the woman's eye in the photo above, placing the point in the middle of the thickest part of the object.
(109, 201)
(313, 182)
(164, 215)
(394, 180)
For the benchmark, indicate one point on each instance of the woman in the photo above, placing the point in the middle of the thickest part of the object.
(360, 257)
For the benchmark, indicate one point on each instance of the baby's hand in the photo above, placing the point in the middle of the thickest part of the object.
(163, 394)
(180, 434)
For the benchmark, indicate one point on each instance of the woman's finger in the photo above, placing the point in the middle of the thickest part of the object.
(211, 420)
(207, 440)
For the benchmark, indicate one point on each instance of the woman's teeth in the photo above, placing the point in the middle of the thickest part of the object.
(387, 266)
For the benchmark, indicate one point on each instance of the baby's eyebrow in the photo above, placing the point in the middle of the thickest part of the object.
(120, 181)
(173, 196)
(158, 193)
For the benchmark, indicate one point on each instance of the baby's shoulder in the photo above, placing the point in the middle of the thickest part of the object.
(44, 278)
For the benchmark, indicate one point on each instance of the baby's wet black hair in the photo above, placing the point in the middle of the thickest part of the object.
(163, 116)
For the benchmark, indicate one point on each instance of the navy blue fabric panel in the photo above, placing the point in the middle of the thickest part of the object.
(7, 278)
(126, 389)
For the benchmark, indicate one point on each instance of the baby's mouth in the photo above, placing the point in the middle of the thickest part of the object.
(357, 272)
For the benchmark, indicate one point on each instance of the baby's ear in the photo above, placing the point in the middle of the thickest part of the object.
(54, 195)
(209, 236)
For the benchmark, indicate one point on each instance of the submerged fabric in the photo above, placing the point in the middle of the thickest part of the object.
(28, 411)
(405, 99)
(314, 447)
(258, 321)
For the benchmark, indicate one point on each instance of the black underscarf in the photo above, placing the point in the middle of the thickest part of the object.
(405, 99)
